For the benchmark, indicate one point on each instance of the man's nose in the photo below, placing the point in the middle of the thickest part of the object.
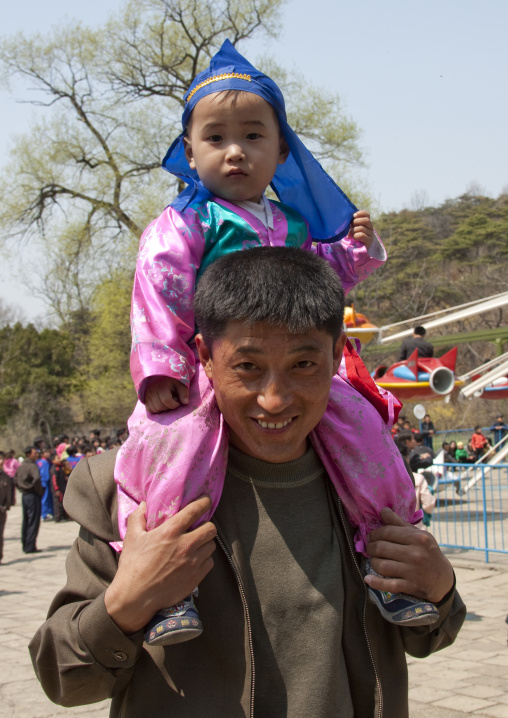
(235, 152)
(275, 395)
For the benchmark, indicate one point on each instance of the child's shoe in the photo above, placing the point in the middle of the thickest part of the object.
(174, 624)
(401, 609)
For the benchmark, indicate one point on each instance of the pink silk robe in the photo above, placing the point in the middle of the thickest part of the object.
(173, 458)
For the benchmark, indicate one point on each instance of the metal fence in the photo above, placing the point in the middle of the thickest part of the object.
(472, 507)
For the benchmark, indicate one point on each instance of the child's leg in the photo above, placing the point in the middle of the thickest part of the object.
(368, 473)
(169, 460)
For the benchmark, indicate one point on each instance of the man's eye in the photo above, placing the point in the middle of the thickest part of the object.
(304, 364)
(246, 366)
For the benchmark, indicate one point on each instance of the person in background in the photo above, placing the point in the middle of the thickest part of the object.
(421, 448)
(453, 449)
(479, 442)
(44, 464)
(28, 481)
(406, 444)
(428, 430)
(406, 426)
(10, 467)
(463, 456)
(59, 474)
(39, 443)
(5, 501)
(72, 456)
(417, 341)
(499, 428)
(447, 455)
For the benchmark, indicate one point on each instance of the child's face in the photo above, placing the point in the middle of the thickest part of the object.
(235, 147)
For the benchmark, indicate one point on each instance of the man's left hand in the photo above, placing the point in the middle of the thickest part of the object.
(410, 557)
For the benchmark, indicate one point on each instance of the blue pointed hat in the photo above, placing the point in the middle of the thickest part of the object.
(300, 182)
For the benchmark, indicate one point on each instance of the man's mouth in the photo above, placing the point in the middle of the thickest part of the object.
(272, 425)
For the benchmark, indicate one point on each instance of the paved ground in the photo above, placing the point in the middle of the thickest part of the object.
(468, 678)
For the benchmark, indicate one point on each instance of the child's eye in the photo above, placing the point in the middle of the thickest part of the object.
(215, 138)
(253, 136)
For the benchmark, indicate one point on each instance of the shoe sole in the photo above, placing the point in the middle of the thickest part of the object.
(177, 636)
(423, 619)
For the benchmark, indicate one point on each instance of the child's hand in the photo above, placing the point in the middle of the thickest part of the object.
(165, 393)
(361, 228)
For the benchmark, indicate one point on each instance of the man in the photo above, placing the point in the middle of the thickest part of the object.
(288, 630)
(5, 501)
(499, 428)
(28, 481)
(421, 448)
(417, 341)
(417, 459)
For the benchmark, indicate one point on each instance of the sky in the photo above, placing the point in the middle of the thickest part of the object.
(425, 81)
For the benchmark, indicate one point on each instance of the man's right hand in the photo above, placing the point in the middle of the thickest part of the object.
(158, 568)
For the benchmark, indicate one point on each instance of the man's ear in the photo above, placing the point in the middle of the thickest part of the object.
(188, 153)
(284, 151)
(338, 350)
(205, 356)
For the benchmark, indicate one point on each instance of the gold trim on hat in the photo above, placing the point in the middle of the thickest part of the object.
(215, 78)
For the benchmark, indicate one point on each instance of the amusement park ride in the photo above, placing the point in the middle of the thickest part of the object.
(419, 377)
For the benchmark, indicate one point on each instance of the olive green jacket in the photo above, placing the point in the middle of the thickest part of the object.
(80, 656)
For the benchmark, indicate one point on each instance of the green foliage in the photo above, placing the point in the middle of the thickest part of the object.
(33, 362)
(439, 257)
(85, 181)
(106, 389)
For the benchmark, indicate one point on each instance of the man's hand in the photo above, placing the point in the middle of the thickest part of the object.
(158, 568)
(361, 228)
(165, 393)
(410, 557)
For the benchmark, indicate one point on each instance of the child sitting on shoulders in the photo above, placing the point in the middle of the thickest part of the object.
(235, 142)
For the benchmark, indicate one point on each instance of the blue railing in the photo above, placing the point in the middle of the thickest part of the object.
(472, 507)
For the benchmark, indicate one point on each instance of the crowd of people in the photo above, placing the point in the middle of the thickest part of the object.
(454, 452)
(40, 474)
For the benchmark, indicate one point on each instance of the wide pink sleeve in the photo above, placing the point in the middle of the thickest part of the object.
(162, 317)
(351, 259)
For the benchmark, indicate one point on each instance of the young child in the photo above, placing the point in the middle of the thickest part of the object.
(236, 141)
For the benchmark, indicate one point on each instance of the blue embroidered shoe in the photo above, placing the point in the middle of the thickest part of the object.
(401, 609)
(174, 624)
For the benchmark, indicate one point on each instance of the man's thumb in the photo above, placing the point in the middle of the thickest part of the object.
(390, 518)
(137, 519)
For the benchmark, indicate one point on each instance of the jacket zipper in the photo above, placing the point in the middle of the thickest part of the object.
(378, 682)
(249, 625)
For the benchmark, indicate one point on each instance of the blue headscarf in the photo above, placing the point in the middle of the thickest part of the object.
(300, 182)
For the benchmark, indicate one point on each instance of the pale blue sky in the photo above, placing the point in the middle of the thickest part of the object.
(426, 82)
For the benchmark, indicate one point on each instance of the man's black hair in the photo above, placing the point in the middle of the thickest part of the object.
(282, 286)
(420, 331)
(418, 437)
(29, 449)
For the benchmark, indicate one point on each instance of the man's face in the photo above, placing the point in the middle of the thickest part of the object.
(271, 386)
(235, 147)
(34, 455)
